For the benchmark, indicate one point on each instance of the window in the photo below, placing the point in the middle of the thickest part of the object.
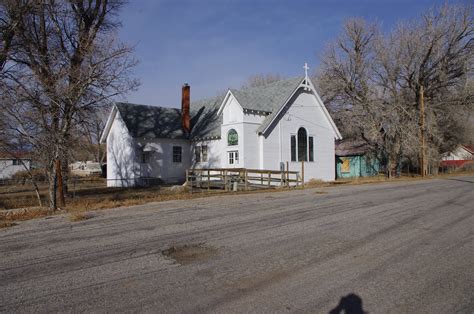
(146, 157)
(177, 153)
(201, 153)
(293, 148)
(233, 158)
(311, 148)
(197, 153)
(346, 165)
(232, 138)
(302, 145)
(204, 153)
(16, 162)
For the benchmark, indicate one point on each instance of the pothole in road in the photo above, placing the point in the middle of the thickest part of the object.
(187, 254)
(320, 192)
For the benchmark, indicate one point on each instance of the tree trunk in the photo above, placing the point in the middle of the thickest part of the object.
(59, 179)
(52, 190)
(38, 195)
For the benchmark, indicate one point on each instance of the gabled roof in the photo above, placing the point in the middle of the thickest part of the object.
(267, 98)
(206, 116)
(469, 148)
(150, 121)
(144, 121)
(205, 122)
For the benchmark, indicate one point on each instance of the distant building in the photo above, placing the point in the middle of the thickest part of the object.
(461, 156)
(462, 152)
(13, 163)
(352, 160)
(256, 128)
(87, 168)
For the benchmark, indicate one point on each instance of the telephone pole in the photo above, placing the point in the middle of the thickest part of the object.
(422, 132)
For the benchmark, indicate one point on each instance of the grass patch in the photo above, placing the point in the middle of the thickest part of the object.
(6, 224)
(80, 216)
(25, 214)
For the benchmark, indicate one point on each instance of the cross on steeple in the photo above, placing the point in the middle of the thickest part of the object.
(306, 68)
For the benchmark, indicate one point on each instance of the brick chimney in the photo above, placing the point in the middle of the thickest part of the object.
(185, 109)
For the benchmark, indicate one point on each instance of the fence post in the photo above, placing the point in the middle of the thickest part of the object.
(302, 173)
(208, 179)
(246, 179)
(224, 178)
(288, 174)
(269, 178)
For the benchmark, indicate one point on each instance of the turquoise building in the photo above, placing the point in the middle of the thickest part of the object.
(352, 160)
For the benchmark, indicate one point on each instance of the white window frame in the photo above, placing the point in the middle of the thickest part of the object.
(201, 153)
(233, 157)
(308, 135)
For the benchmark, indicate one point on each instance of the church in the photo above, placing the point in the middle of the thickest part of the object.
(255, 128)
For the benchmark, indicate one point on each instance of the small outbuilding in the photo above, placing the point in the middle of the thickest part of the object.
(353, 160)
(13, 163)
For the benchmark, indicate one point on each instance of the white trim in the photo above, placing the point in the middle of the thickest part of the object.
(307, 84)
(225, 100)
(108, 125)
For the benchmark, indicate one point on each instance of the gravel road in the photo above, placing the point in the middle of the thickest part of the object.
(405, 247)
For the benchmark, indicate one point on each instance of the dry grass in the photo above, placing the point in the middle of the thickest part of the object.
(95, 196)
(6, 224)
(25, 214)
(80, 216)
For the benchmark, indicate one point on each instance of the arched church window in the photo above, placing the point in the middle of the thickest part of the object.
(232, 138)
(302, 144)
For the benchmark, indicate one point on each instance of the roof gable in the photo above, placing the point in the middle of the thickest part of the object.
(306, 84)
(144, 121)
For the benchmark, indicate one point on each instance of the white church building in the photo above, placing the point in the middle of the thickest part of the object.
(255, 128)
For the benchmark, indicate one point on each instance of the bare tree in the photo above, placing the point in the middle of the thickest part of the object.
(437, 54)
(67, 64)
(261, 80)
(374, 84)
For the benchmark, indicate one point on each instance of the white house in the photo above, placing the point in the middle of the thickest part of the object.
(461, 152)
(11, 164)
(254, 128)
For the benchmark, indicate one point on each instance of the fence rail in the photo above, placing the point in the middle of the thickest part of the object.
(233, 179)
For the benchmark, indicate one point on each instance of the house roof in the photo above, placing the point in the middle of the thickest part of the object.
(15, 155)
(160, 122)
(469, 148)
(150, 121)
(351, 148)
(267, 98)
(205, 122)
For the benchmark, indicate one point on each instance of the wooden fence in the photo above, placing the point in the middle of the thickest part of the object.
(232, 179)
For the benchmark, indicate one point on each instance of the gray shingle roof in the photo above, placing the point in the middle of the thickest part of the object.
(205, 123)
(267, 98)
(151, 121)
(161, 122)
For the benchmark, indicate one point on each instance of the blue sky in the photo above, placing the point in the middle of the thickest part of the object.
(217, 44)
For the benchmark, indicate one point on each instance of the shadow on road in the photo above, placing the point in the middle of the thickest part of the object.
(349, 304)
(460, 180)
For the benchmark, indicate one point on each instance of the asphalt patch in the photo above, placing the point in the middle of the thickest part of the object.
(187, 254)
